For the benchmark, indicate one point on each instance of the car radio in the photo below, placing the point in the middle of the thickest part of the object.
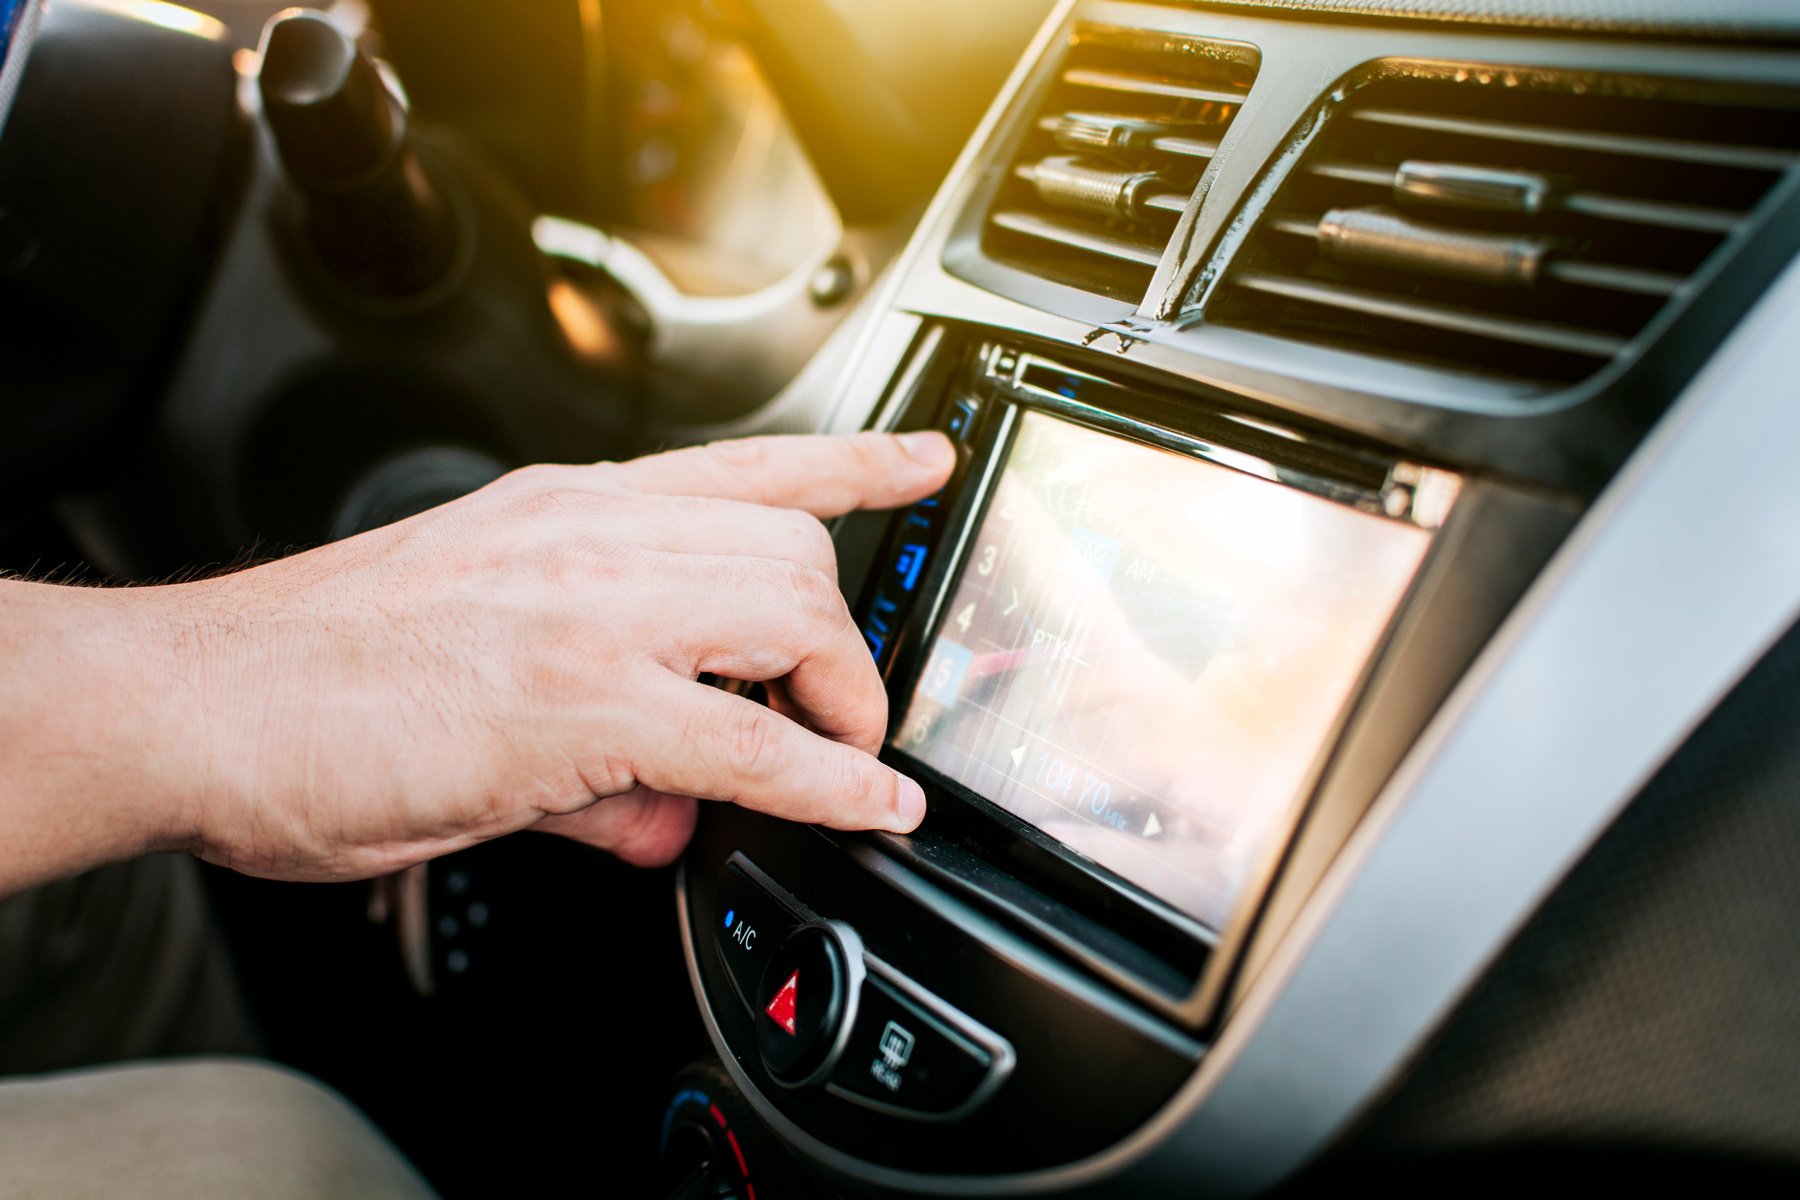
(1150, 653)
(1146, 635)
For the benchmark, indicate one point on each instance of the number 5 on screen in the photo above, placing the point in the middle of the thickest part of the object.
(944, 672)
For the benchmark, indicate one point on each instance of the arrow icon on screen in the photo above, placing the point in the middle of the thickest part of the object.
(1018, 757)
(1013, 607)
(1152, 827)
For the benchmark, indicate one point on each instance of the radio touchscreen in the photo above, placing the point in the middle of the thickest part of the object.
(1145, 653)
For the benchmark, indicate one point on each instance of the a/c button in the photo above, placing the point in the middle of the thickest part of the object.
(752, 925)
(901, 1057)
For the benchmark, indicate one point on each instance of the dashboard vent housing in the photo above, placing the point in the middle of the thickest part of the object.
(1111, 157)
(1478, 225)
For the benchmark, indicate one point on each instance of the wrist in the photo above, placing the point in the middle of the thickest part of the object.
(211, 655)
(249, 657)
(95, 732)
(190, 737)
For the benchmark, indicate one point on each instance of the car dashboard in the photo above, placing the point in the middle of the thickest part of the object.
(1349, 667)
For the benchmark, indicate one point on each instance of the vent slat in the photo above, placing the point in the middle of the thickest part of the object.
(1373, 174)
(1148, 85)
(1694, 218)
(1075, 236)
(1540, 334)
(1616, 278)
(1709, 154)
(1185, 147)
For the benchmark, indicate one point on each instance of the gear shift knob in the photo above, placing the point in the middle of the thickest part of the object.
(374, 219)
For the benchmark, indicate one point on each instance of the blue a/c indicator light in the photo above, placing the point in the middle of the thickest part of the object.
(730, 917)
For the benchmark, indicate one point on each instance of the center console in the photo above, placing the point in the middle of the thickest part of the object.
(1144, 640)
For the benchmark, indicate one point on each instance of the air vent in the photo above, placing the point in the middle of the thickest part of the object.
(1112, 156)
(1483, 226)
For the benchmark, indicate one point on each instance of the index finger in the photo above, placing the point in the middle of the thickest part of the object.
(712, 745)
(826, 476)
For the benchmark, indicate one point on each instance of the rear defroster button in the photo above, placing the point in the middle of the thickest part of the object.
(806, 1002)
(903, 1057)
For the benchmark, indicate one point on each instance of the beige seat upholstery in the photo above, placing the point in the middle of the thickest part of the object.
(192, 1130)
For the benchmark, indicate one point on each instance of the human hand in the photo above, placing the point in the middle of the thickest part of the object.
(527, 657)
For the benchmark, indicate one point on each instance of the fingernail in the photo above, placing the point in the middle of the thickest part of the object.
(927, 447)
(909, 806)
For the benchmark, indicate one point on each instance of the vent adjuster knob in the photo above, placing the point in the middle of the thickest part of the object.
(1068, 182)
(1381, 237)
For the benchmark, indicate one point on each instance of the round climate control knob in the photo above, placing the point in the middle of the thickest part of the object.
(806, 1002)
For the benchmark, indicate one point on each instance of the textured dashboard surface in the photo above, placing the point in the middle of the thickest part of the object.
(1711, 19)
(1651, 1005)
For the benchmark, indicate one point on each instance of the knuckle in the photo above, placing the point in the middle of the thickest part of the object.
(554, 498)
(528, 478)
(752, 743)
(862, 790)
(877, 455)
(743, 464)
(815, 595)
(868, 717)
(607, 477)
(542, 489)
(746, 455)
(820, 549)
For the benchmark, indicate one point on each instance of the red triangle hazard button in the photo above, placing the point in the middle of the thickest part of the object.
(781, 1008)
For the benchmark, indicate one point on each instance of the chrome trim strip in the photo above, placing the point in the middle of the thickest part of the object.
(1394, 500)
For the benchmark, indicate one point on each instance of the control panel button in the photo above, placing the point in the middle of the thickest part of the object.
(959, 418)
(909, 552)
(913, 540)
(803, 1003)
(752, 925)
(901, 1056)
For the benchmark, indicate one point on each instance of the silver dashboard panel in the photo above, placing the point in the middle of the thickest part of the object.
(1618, 651)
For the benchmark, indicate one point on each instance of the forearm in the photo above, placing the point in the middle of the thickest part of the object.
(103, 737)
